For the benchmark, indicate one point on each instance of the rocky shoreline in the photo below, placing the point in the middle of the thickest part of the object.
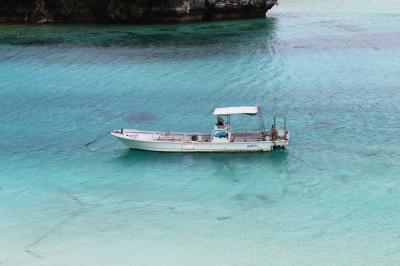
(129, 11)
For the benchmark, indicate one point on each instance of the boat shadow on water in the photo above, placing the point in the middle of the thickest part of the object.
(275, 157)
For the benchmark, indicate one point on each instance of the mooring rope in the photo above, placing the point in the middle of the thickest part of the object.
(96, 139)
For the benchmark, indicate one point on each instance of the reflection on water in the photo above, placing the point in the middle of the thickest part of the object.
(52, 44)
(178, 35)
(256, 159)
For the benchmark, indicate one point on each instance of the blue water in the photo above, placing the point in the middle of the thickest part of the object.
(331, 198)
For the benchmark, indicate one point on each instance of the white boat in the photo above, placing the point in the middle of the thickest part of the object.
(221, 139)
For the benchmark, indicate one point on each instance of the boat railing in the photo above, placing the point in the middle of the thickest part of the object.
(169, 136)
(246, 135)
(166, 136)
(247, 131)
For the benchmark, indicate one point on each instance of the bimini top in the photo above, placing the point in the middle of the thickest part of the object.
(247, 110)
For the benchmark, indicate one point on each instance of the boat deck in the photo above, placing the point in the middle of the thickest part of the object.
(196, 137)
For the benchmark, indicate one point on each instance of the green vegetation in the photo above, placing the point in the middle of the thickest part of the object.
(174, 3)
(17, 3)
(48, 11)
(84, 4)
(115, 9)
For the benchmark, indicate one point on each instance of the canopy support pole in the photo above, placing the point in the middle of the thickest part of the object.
(261, 121)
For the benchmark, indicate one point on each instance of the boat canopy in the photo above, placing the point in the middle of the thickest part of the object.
(247, 110)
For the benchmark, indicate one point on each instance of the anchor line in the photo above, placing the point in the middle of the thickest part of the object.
(96, 139)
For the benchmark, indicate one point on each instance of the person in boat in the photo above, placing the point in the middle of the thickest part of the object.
(274, 133)
(220, 122)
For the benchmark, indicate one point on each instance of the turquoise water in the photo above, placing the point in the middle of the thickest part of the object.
(331, 198)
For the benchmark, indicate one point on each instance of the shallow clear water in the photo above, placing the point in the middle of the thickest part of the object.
(332, 197)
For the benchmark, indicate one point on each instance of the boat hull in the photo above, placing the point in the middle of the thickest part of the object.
(193, 146)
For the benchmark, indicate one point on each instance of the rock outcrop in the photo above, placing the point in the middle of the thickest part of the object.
(130, 11)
